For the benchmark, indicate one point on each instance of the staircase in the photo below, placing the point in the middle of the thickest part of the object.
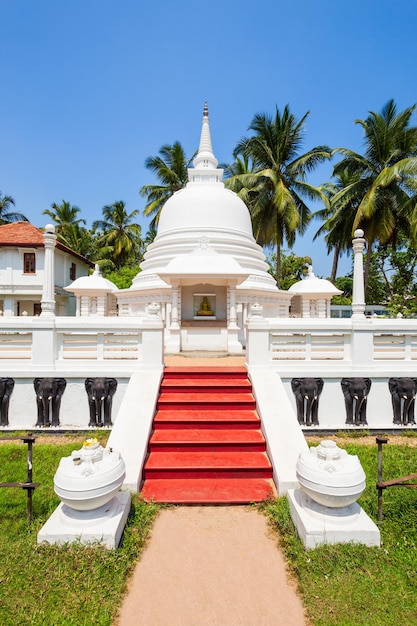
(206, 446)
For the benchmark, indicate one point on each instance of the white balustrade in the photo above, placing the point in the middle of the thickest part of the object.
(72, 342)
(344, 344)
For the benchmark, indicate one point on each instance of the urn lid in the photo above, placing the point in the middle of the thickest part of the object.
(327, 464)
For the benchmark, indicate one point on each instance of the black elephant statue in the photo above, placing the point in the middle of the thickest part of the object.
(403, 394)
(6, 389)
(100, 392)
(356, 391)
(48, 399)
(307, 392)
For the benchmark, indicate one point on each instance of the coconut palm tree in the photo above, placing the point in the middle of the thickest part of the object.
(63, 214)
(277, 190)
(119, 238)
(338, 222)
(66, 221)
(171, 169)
(386, 178)
(6, 215)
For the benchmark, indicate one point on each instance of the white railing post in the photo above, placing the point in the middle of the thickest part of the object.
(362, 343)
(44, 343)
(257, 338)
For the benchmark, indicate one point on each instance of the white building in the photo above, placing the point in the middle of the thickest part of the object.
(22, 271)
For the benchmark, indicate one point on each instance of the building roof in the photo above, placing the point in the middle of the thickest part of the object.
(25, 235)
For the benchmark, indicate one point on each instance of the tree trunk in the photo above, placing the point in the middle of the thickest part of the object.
(278, 267)
(336, 254)
(367, 266)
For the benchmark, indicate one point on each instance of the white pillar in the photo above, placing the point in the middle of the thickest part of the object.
(358, 294)
(232, 307)
(175, 303)
(48, 291)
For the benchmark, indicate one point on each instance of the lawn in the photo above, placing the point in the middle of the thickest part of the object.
(49, 585)
(353, 585)
(75, 586)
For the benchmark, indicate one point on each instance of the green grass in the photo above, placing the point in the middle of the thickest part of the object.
(62, 586)
(76, 585)
(354, 585)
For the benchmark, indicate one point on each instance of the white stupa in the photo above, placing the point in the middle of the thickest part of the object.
(204, 267)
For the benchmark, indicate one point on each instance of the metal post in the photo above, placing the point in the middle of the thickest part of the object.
(380, 441)
(29, 440)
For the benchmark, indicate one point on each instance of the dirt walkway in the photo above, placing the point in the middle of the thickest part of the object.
(211, 566)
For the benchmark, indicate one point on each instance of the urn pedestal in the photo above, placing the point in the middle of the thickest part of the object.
(324, 509)
(92, 509)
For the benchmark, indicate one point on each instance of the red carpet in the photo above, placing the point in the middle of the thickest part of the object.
(207, 446)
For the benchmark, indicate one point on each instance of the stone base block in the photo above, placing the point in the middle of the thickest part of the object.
(104, 525)
(317, 524)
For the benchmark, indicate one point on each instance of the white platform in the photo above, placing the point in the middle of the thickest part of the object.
(317, 524)
(104, 525)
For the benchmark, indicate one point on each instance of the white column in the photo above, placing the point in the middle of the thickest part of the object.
(232, 307)
(174, 312)
(358, 294)
(48, 291)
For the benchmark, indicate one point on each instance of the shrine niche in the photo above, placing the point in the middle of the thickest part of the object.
(204, 306)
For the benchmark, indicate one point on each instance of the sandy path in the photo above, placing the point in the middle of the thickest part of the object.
(211, 566)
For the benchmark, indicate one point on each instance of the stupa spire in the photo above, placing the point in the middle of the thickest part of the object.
(205, 157)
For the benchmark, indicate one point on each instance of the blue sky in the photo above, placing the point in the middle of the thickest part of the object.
(90, 88)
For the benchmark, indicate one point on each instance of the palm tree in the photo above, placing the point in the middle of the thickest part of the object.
(386, 178)
(6, 215)
(120, 239)
(277, 188)
(69, 227)
(79, 239)
(171, 169)
(337, 223)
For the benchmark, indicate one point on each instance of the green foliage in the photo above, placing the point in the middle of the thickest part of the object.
(123, 277)
(293, 267)
(351, 584)
(345, 284)
(392, 278)
(51, 585)
(119, 240)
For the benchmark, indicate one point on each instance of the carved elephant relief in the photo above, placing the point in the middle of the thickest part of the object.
(356, 391)
(403, 394)
(100, 392)
(49, 392)
(307, 392)
(6, 390)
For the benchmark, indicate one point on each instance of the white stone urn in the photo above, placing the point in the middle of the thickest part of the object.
(90, 477)
(330, 476)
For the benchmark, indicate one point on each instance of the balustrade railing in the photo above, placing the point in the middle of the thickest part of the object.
(345, 343)
(30, 343)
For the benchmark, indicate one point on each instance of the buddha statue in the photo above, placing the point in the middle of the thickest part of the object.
(205, 307)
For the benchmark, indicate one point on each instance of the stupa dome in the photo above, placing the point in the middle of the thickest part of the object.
(210, 205)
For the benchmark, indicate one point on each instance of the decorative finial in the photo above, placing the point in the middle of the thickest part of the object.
(205, 112)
